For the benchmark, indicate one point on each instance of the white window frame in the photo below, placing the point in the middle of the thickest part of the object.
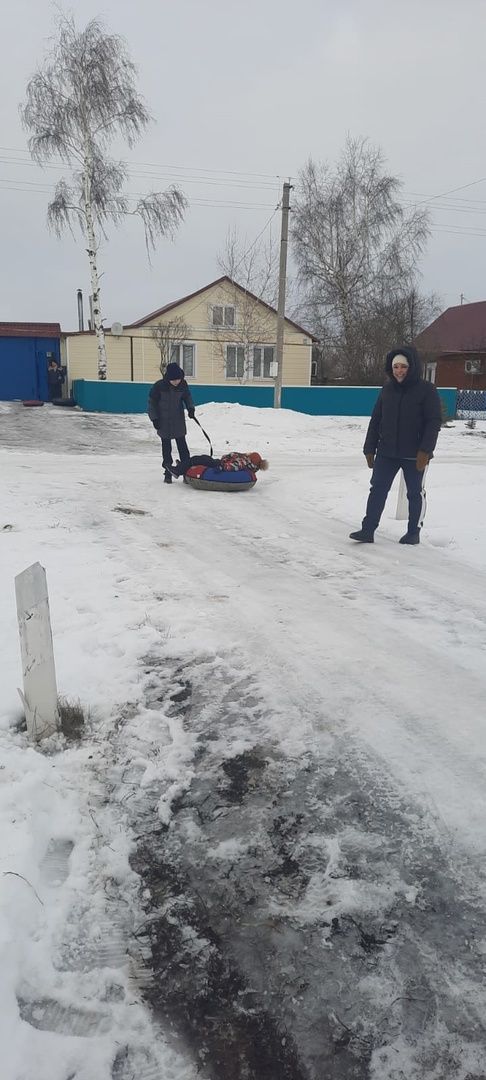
(224, 325)
(180, 345)
(430, 371)
(236, 377)
(264, 345)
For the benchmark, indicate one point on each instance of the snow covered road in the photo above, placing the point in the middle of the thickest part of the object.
(290, 730)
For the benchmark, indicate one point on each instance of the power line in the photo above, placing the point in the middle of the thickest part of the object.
(207, 175)
(35, 187)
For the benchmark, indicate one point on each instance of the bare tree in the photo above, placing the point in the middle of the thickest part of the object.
(356, 249)
(253, 272)
(80, 100)
(166, 335)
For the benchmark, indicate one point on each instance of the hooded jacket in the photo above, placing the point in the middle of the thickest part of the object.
(407, 416)
(166, 407)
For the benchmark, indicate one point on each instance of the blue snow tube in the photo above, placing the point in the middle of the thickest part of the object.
(218, 480)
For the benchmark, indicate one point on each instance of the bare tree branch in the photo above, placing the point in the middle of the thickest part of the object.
(355, 245)
(173, 332)
(253, 270)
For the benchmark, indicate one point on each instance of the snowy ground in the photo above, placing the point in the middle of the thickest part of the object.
(265, 857)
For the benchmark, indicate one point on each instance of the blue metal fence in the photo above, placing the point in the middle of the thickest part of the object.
(471, 403)
(128, 397)
(23, 367)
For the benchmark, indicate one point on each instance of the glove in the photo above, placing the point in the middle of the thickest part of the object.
(422, 460)
(191, 414)
(370, 458)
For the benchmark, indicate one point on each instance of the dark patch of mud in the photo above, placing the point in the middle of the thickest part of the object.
(302, 919)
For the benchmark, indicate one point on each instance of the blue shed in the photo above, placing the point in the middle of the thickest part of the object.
(25, 351)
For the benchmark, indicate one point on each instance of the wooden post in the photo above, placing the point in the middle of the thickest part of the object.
(402, 501)
(40, 691)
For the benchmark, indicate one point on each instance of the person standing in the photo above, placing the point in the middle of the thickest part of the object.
(166, 403)
(55, 379)
(402, 434)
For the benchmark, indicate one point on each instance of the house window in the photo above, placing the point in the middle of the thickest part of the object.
(430, 370)
(235, 361)
(184, 354)
(263, 358)
(223, 315)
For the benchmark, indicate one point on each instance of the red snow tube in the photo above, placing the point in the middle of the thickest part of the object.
(31, 404)
(208, 479)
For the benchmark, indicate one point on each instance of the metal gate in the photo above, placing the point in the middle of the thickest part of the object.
(471, 404)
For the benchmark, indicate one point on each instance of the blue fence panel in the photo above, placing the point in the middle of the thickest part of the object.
(127, 397)
(330, 400)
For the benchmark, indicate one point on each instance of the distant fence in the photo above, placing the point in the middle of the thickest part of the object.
(471, 404)
(128, 397)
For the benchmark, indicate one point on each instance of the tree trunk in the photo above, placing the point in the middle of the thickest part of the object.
(95, 281)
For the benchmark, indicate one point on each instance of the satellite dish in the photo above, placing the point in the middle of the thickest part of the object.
(116, 329)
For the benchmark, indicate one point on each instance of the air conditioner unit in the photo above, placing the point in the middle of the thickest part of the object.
(473, 367)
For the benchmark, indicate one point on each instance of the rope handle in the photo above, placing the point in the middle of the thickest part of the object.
(206, 436)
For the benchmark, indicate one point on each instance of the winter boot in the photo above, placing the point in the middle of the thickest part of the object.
(167, 478)
(410, 538)
(362, 537)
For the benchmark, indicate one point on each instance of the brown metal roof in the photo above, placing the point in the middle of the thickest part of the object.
(219, 281)
(30, 329)
(459, 329)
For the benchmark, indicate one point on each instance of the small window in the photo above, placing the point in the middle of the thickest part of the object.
(223, 315)
(235, 361)
(263, 357)
(184, 355)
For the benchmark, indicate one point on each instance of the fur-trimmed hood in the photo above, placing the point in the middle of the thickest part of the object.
(414, 372)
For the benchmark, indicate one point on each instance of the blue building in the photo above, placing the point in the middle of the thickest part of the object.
(25, 351)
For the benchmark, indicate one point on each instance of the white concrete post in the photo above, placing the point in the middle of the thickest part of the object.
(40, 692)
(402, 501)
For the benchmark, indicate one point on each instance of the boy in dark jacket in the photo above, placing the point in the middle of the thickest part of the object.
(402, 434)
(166, 402)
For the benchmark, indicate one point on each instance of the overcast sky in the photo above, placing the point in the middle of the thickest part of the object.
(242, 94)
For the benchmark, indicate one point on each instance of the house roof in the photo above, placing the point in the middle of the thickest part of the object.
(30, 329)
(458, 329)
(219, 281)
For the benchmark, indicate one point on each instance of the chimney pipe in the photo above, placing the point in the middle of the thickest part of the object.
(80, 310)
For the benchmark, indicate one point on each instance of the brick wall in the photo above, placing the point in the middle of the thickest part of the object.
(451, 372)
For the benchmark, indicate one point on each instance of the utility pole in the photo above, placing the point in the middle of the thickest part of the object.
(282, 280)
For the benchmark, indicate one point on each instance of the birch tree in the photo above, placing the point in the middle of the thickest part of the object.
(78, 102)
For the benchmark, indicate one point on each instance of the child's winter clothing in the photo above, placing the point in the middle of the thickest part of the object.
(166, 411)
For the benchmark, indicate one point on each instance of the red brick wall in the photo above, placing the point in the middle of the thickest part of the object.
(450, 371)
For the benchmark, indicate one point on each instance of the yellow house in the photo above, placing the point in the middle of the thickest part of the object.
(219, 334)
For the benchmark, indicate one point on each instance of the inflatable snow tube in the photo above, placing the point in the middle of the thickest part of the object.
(31, 404)
(66, 402)
(208, 479)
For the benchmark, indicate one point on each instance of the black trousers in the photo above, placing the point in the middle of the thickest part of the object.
(384, 472)
(167, 452)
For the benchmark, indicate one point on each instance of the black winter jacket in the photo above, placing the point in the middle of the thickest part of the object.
(166, 408)
(407, 417)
